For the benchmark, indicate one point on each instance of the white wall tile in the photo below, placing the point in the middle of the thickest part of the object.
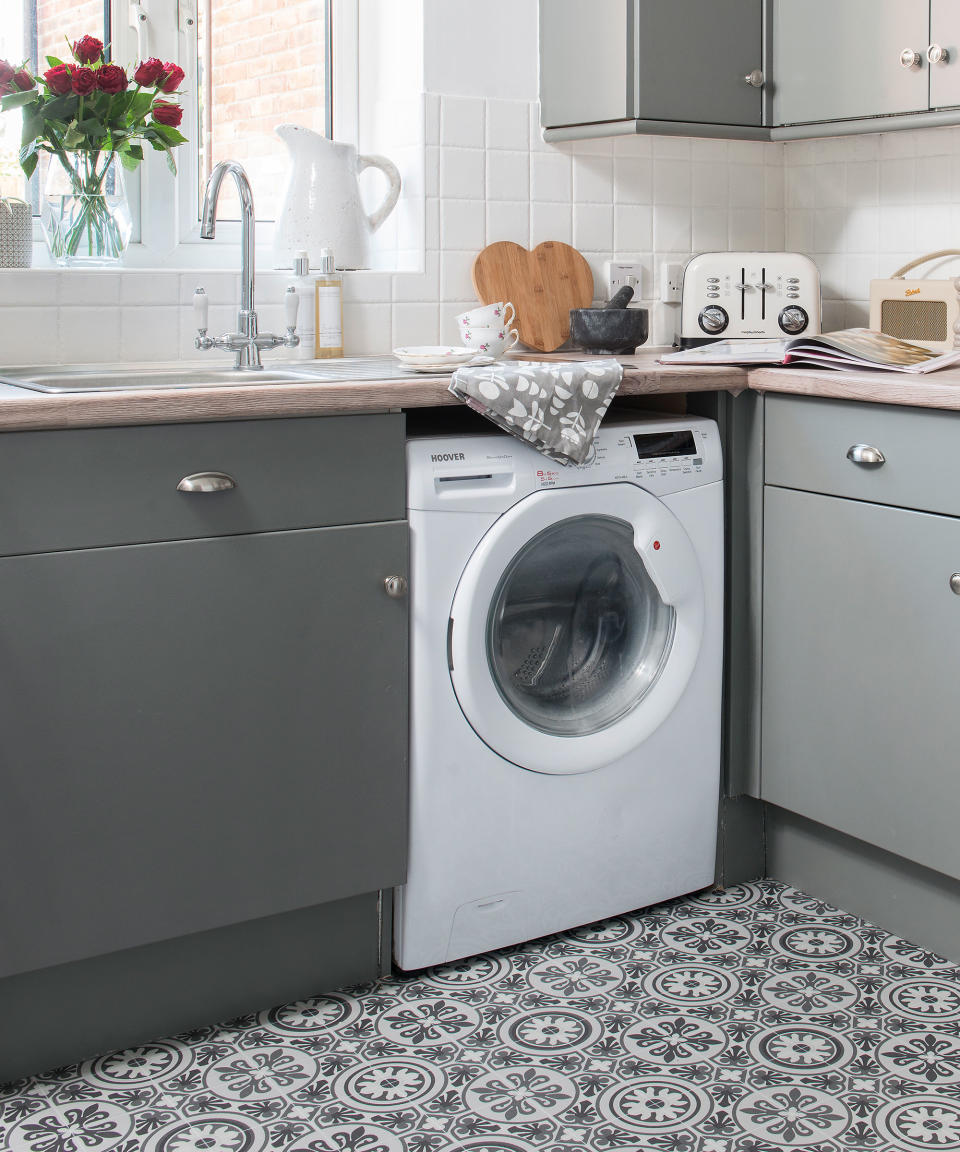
(593, 227)
(420, 287)
(551, 222)
(462, 224)
(508, 175)
(709, 185)
(414, 324)
(92, 335)
(461, 122)
(671, 183)
(455, 282)
(26, 287)
(507, 220)
(508, 125)
(150, 333)
(366, 329)
(461, 173)
(632, 229)
(709, 229)
(746, 186)
(672, 230)
(632, 180)
(593, 179)
(550, 178)
(747, 229)
(30, 335)
(78, 286)
(154, 287)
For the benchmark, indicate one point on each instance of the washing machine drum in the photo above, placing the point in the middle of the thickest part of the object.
(576, 626)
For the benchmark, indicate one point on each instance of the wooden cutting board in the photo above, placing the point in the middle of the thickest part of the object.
(543, 284)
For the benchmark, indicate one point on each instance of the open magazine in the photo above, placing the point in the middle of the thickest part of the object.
(849, 348)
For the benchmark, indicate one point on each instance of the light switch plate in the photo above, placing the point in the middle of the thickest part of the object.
(620, 274)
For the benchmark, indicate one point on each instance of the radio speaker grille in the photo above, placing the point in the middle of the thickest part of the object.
(914, 319)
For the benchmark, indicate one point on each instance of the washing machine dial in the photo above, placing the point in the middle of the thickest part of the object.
(793, 319)
(713, 319)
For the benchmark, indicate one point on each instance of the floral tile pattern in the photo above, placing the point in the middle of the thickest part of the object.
(752, 1020)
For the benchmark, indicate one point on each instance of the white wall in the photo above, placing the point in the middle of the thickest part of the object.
(481, 49)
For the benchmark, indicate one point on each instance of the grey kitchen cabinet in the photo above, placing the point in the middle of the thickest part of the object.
(837, 61)
(861, 628)
(204, 695)
(652, 65)
(945, 50)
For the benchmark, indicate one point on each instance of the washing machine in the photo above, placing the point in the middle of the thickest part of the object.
(566, 649)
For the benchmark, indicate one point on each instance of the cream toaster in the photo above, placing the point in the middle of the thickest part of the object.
(748, 296)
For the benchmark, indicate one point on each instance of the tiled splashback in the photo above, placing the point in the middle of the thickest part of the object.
(860, 206)
(489, 177)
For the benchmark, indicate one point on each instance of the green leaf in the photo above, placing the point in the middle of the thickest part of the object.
(73, 136)
(129, 161)
(134, 150)
(29, 164)
(171, 163)
(18, 99)
(140, 106)
(170, 135)
(54, 62)
(32, 125)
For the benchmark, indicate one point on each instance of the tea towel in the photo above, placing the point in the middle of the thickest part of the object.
(554, 405)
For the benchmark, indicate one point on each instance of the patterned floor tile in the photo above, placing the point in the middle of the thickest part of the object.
(752, 1020)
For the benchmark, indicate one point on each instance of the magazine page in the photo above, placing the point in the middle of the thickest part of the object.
(868, 347)
(823, 358)
(730, 352)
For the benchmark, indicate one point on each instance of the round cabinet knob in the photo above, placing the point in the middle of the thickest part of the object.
(395, 586)
(910, 59)
(938, 55)
(955, 583)
(754, 78)
(713, 319)
(793, 319)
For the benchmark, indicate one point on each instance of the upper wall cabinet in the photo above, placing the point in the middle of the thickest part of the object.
(755, 69)
(620, 66)
(843, 61)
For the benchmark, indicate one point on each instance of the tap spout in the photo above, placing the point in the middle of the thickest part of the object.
(208, 222)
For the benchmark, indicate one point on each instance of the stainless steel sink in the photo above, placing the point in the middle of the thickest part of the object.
(131, 377)
(89, 378)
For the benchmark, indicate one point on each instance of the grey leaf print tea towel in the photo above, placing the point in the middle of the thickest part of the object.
(556, 406)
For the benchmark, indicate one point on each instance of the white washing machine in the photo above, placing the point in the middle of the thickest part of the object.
(565, 683)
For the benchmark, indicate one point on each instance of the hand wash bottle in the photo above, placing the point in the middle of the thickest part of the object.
(329, 308)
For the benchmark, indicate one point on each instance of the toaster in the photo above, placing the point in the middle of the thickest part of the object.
(748, 296)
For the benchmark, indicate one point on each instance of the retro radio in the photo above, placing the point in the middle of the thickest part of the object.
(920, 311)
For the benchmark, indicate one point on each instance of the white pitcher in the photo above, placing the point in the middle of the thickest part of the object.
(322, 207)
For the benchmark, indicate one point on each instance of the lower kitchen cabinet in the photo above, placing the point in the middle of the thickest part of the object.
(205, 732)
(861, 634)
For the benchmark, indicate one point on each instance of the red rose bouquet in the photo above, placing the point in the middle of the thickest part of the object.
(86, 112)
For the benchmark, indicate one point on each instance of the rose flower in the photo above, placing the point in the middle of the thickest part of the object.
(58, 80)
(88, 50)
(84, 81)
(173, 76)
(150, 72)
(111, 79)
(23, 80)
(166, 113)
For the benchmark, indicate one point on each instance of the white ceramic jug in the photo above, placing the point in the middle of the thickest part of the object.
(322, 207)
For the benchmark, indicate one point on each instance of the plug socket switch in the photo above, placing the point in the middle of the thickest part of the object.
(621, 274)
(671, 282)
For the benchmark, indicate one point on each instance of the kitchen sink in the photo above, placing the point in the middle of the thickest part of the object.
(114, 378)
(89, 378)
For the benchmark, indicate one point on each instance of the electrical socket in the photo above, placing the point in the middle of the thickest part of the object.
(671, 282)
(620, 274)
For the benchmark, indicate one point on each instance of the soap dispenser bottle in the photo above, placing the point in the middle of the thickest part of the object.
(302, 285)
(329, 308)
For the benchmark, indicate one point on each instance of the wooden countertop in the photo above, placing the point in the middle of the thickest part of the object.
(21, 409)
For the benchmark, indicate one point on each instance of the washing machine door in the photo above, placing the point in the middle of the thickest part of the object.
(576, 626)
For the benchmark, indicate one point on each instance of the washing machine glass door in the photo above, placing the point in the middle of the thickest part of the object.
(577, 633)
(576, 626)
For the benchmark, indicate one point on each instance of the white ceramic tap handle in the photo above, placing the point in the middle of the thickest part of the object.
(201, 308)
(291, 304)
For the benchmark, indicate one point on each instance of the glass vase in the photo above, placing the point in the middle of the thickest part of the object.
(85, 214)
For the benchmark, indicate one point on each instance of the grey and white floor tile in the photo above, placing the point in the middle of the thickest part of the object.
(753, 1020)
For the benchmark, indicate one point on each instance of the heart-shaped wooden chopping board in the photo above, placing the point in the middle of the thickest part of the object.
(543, 284)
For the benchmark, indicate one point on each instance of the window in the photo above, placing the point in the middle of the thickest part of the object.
(250, 65)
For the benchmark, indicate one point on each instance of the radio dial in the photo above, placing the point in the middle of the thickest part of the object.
(793, 319)
(713, 319)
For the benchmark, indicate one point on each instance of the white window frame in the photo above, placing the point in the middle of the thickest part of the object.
(169, 226)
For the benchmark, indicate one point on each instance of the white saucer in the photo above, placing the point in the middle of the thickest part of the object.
(428, 358)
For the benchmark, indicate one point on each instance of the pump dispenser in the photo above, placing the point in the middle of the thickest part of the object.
(329, 308)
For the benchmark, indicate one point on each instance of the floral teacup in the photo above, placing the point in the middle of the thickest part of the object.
(489, 341)
(501, 314)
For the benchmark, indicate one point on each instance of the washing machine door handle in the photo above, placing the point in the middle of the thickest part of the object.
(667, 554)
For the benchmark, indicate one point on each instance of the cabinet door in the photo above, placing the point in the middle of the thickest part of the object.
(841, 60)
(945, 75)
(861, 643)
(693, 58)
(586, 62)
(196, 734)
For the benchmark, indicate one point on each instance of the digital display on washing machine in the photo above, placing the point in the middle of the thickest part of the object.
(653, 445)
